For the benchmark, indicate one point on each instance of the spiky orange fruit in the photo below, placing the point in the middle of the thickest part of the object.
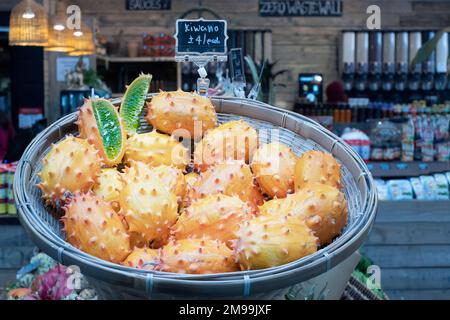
(72, 165)
(273, 165)
(142, 258)
(137, 240)
(232, 179)
(269, 241)
(181, 113)
(197, 256)
(213, 217)
(99, 122)
(172, 178)
(234, 140)
(109, 186)
(322, 207)
(92, 225)
(150, 207)
(317, 166)
(156, 149)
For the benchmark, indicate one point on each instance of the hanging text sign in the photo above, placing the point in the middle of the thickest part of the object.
(237, 65)
(137, 5)
(201, 37)
(300, 8)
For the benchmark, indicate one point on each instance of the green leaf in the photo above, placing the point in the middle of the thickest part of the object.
(427, 48)
(253, 68)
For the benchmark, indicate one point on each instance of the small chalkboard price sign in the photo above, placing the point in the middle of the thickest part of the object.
(237, 65)
(138, 5)
(300, 8)
(201, 37)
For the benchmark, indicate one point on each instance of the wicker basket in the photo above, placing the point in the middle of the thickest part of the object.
(116, 281)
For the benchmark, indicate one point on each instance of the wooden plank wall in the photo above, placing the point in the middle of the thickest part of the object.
(300, 44)
(410, 241)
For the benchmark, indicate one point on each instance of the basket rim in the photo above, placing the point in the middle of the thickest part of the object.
(368, 207)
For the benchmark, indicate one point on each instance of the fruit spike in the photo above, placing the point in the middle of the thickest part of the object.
(322, 207)
(93, 226)
(186, 114)
(72, 165)
(155, 149)
(234, 140)
(109, 186)
(269, 241)
(273, 165)
(213, 217)
(133, 101)
(317, 166)
(142, 258)
(149, 206)
(99, 123)
(231, 178)
(197, 256)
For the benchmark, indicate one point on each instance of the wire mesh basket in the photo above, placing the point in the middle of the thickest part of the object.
(117, 281)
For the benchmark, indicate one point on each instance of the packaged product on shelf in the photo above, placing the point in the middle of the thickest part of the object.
(359, 142)
(442, 186)
(382, 190)
(400, 189)
(417, 188)
(408, 141)
(11, 205)
(447, 175)
(429, 187)
(427, 142)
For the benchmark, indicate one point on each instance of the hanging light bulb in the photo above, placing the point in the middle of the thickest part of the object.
(60, 38)
(59, 20)
(28, 24)
(83, 41)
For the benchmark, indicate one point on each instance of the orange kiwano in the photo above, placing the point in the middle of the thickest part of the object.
(93, 226)
(322, 207)
(181, 113)
(230, 179)
(156, 149)
(234, 140)
(269, 241)
(273, 165)
(142, 258)
(198, 256)
(317, 166)
(71, 166)
(109, 186)
(214, 217)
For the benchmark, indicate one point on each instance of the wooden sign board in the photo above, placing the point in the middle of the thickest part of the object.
(142, 5)
(300, 8)
(201, 37)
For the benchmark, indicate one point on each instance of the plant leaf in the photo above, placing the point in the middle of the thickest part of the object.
(427, 48)
(253, 68)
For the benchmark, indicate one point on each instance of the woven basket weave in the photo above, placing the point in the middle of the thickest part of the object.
(116, 281)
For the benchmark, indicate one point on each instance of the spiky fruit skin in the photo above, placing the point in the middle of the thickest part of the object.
(269, 241)
(197, 256)
(137, 240)
(72, 165)
(109, 186)
(182, 113)
(234, 140)
(190, 179)
(142, 258)
(150, 207)
(213, 217)
(173, 178)
(88, 127)
(322, 207)
(92, 225)
(317, 166)
(156, 149)
(232, 179)
(273, 165)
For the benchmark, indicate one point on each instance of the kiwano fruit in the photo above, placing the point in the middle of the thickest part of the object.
(109, 186)
(182, 114)
(142, 258)
(133, 101)
(99, 123)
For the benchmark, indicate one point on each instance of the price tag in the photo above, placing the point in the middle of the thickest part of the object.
(201, 37)
(237, 65)
(384, 166)
(402, 166)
